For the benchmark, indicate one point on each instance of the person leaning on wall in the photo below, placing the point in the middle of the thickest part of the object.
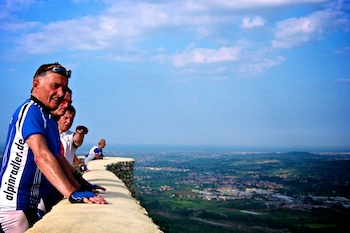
(95, 152)
(30, 153)
(69, 139)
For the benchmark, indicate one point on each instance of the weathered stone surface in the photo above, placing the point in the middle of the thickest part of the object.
(122, 214)
(124, 170)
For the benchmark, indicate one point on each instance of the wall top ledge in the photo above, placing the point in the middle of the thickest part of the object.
(122, 213)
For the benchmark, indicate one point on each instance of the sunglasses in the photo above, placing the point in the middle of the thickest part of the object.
(59, 70)
(69, 102)
(54, 67)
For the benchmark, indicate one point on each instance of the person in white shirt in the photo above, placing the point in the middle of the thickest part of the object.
(70, 140)
(95, 152)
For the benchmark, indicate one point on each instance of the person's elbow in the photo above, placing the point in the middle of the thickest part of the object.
(38, 160)
(41, 159)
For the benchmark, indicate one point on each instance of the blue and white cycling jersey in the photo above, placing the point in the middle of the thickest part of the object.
(20, 178)
(92, 153)
(50, 195)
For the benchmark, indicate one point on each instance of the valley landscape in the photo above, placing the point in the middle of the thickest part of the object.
(245, 191)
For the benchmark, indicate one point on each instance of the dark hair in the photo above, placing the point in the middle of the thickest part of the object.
(69, 90)
(55, 67)
(43, 67)
(71, 109)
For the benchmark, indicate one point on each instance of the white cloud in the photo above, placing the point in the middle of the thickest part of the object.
(250, 23)
(7, 7)
(246, 4)
(293, 32)
(124, 31)
(259, 67)
(124, 23)
(16, 4)
(87, 33)
(205, 56)
(116, 28)
(23, 27)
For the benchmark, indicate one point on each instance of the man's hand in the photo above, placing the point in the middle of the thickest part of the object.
(86, 185)
(91, 187)
(81, 129)
(95, 186)
(83, 168)
(86, 197)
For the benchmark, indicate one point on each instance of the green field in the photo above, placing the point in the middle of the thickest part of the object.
(169, 193)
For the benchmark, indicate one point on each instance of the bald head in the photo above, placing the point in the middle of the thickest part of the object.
(101, 143)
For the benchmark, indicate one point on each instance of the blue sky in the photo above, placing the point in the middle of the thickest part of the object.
(245, 74)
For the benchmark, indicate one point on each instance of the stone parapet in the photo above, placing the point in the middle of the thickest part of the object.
(123, 213)
(124, 170)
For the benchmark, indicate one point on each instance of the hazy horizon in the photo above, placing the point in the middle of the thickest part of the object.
(246, 74)
(118, 148)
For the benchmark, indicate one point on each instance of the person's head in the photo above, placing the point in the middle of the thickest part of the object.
(101, 143)
(65, 104)
(50, 84)
(66, 121)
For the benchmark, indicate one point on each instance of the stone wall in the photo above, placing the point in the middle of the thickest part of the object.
(123, 213)
(125, 171)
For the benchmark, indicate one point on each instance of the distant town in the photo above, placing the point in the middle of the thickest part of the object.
(227, 190)
(311, 186)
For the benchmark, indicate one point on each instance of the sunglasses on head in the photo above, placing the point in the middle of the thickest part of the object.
(54, 67)
(59, 70)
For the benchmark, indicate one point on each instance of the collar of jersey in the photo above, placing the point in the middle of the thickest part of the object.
(40, 104)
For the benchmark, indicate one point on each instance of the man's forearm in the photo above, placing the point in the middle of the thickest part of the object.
(68, 170)
(78, 139)
(49, 165)
(76, 160)
(51, 169)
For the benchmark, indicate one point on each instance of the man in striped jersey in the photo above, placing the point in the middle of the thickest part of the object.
(30, 152)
